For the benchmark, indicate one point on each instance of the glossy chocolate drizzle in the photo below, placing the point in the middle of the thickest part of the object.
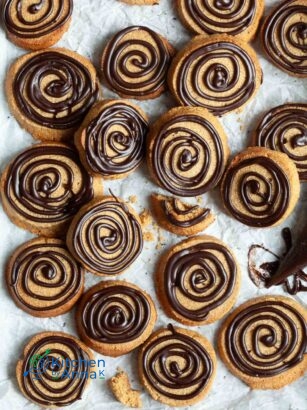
(108, 238)
(205, 274)
(115, 314)
(36, 18)
(54, 90)
(285, 36)
(44, 276)
(38, 381)
(276, 132)
(115, 140)
(41, 185)
(203, 78)
(221, 16)
(266, 339)
(181, 158)
(192, 215)
(136, 67)
(264, 200)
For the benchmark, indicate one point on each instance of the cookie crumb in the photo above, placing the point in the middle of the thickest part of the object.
(145, 217)
(148, 237)
(121, 388)
(133, 199)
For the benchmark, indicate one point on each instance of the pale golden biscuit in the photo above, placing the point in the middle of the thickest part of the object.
(43, 278)
(50, 92)
(263, 342)
(123, 392)
(261, 187)
(179, 217)
(115, 317)
(198, 280)
(220, 72)
(111, 139)
(177, 366)
(47, 360)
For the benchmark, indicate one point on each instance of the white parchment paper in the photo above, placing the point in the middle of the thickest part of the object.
(94, 21)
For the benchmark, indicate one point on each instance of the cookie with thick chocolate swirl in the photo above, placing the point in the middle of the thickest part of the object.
(187, 151)
(220, 72)
(264, 342)
(43, 278)
(51, 91)
(284, 129)
(234, 17)
(135, 63)
(44, 186)
(111, 140)
(177, 366)
(36, 24)
(261, 187)
(106, 236)
(55, 370)
(198, 280)
(179, 217)
(284, 37)
(115, 317)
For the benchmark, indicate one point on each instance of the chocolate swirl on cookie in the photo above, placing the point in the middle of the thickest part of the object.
(176, 365)
(256, 191)
(190, 216)
(266, 338)
(47, 375)
(135, 62)
(44, 277)
(115, 140)
(54, 90)
(185, 162)
(285, 37)
(36, 18)
(284, 129)
(220, 76)
(115, 314)
(203, 275)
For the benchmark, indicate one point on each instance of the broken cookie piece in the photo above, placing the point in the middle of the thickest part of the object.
(123, 392)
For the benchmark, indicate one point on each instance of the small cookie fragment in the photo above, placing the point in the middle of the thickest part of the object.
(115, 317)
(284, 37)
(44, 186)
(179, 217)
(111, 139)
(177, 366)
(123, 392)
(105, 236)
(43, 278)
(135, 63)
(36, 25)
(234, 17)
(284, 129)
(198, 280)
(261, 187)
(263, 342)
(45, 374)
(187, 151)
(220, 72)
(50, 92)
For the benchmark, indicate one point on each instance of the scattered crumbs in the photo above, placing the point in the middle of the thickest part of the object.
(199, 199)
(161, 238)
(145, 217)
(149, 237)
(133, 199)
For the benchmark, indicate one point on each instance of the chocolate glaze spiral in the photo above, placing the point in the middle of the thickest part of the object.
(262, 188)
(284, 129)
(203, 274)
(203, 79)
(44, 277)
(266, 339)
(46, 184)
(167, 376)
(115, 140)
(182, 158)
(285, 37)
(54, 89)
(54, 353)
(174, 213)
(115, 314)
(36, 18)
(106, 238)
(135, 62)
